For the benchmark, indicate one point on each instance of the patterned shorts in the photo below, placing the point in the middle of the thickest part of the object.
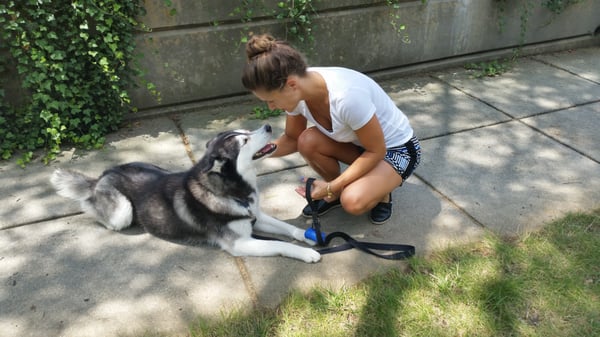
(405, 158)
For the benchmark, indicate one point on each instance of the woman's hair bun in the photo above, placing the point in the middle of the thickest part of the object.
(270, 62)
(259, 44)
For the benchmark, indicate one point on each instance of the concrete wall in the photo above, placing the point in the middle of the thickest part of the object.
(191, 60)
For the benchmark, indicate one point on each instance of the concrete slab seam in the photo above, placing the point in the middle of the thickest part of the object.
(542, 132)
(550, 64)
(288, 168)
(245, 275)
(452, 202)
(475, 98)
(184, 139)
(519, 119)
(33, 222)
(466, 130)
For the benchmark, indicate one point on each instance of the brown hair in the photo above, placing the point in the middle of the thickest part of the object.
(270, 62)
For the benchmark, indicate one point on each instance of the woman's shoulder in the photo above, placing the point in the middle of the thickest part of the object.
(340, 79)
(335, 70)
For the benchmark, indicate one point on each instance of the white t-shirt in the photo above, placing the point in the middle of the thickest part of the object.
(353, 99)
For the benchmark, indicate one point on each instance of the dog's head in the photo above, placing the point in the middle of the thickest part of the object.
(237, 149)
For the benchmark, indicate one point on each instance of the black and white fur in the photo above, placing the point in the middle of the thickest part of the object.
(215, 201)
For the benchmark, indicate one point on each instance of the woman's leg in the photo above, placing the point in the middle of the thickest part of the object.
(323, 154)
(366, 192)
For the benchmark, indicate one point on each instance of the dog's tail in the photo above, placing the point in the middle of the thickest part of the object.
(73, 185)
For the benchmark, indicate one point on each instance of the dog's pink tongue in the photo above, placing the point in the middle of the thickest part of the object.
(267, 149)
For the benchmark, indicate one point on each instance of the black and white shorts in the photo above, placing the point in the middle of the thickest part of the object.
(405, 158)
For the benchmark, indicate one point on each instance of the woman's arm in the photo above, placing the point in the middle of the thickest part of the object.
(287, 143)
(372, 139)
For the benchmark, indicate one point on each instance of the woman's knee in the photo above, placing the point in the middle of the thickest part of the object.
(353, 203)
(309, 140)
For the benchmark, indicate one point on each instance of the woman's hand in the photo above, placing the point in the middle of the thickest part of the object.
(318, 191)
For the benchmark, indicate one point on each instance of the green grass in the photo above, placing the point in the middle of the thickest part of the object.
(543, 284)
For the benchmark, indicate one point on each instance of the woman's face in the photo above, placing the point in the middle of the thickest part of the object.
(286, 98)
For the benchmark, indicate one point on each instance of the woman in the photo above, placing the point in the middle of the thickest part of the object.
(354, 122)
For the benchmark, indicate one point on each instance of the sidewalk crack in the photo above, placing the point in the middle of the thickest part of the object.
(556, 66)
(452, 202)
(247, 281)
(184, 138)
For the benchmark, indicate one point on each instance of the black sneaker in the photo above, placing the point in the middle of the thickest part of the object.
(381, 213)
(322, 207)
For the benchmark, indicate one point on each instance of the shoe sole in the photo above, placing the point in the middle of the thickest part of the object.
(308, 216)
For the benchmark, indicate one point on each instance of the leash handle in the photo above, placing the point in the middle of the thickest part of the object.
(400, 251)
(314, 233)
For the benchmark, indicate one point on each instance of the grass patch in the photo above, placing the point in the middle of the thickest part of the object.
(543, 284)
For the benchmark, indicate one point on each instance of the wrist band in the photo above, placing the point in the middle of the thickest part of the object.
(329, 193)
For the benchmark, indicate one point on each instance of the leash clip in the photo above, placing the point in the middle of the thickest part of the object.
(311, 234)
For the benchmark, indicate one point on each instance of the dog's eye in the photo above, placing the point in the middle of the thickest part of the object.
(246, 140)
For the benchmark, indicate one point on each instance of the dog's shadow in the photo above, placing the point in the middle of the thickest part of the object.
(136, 229)
(133, 230)
(199, 241)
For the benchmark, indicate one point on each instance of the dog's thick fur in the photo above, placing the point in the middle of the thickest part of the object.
(215, 201)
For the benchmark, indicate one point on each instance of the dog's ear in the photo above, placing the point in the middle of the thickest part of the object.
(211, 143)
(222, 137)
(215, 156)
(219, 150)
(212, 162)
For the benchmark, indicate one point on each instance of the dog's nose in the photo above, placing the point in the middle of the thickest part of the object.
(268, 128)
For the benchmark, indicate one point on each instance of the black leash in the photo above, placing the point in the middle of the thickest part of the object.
(314, 233)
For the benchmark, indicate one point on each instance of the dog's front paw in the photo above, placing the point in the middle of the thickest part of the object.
(310, 256)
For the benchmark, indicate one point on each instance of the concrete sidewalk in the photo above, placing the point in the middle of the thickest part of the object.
(506, 154)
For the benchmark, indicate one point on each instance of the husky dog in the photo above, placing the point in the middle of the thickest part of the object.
(215, 201)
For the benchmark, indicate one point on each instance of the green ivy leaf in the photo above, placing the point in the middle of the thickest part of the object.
(57, 55)
(72, 68)
(45, 115)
